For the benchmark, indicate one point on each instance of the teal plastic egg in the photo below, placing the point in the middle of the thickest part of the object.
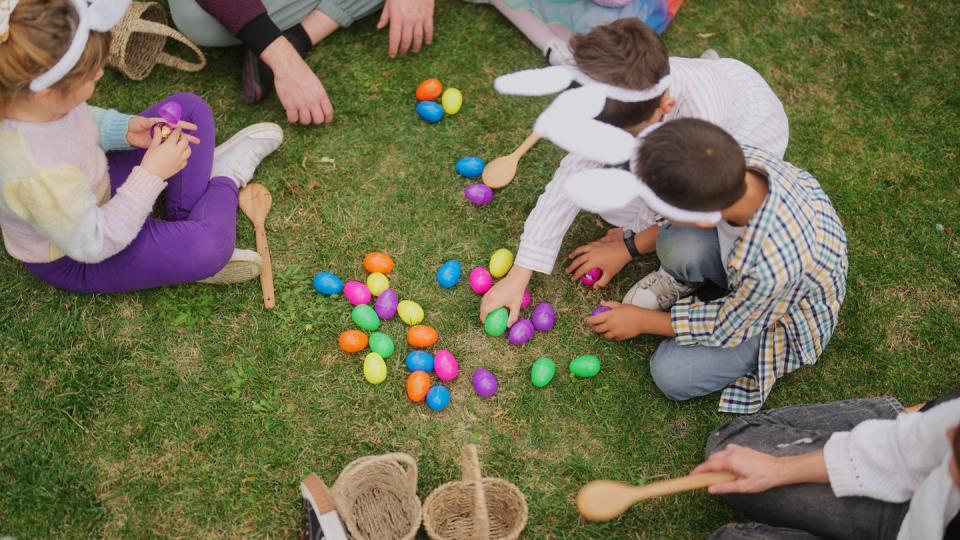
(381, 344)
(431, 111)
(496, 322)
(585, 366)
(365, 317)
(542, 372)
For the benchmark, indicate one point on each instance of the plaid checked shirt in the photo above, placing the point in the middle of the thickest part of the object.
(787, 279)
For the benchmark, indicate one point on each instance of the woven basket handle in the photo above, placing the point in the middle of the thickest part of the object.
(470, 464)
(150, 27)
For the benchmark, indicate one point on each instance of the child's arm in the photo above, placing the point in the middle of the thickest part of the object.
(625, 321)
(113, 126)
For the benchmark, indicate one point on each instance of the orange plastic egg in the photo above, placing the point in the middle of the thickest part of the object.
(422, 336)
(376, 261)
(418, 384)
(429, 90)
(353, 341)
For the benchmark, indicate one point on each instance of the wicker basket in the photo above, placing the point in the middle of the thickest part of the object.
(475, 508)
(376, 497)
(139, 39)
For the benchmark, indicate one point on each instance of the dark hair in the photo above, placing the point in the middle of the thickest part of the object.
(693, 164)
(625, 53)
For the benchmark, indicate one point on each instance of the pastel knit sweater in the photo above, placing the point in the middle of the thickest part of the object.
(55, 190)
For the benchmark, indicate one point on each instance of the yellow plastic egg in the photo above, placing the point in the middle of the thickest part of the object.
(374, 368)
(377, 283)
(410, 312)
(500, 262)
(451, 100)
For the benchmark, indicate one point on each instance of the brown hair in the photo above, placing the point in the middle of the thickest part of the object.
(693, 164)
(625, 53)
(40, 34)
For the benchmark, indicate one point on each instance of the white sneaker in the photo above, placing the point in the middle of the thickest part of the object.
(244, 265)
(239, 157)
(658, 291)
(710, 54)
(558, 52)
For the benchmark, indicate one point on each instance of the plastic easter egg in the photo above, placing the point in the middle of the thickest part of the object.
(430, 111)
(365, 317)
(496, 322)
(410, 312)
(521, 332)
(438, 398)
(429, 90)
(585, 366)
(500, 262)
(470, 166)
(449, 274)
(421, 336)
(418, 384)
(381, 344)
(374, 368)
(478, 194)
(445, 365)
(542, 372)
(599, 310)
(525, 301)
(452, 100)
(377, 283)
(480, 280)
(377, 261)
(357, 293)
(419, 361)
(591, 276)
(484, 383)
(543, 317)
(327, 283)
(353, 341)
(386, 304)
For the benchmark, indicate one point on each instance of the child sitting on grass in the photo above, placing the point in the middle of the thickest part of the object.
(79, 219)
(643, 86)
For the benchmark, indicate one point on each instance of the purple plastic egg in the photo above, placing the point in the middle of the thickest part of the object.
(480, 280)
(599, 310)
(484, 383)
(386, 304)
(591, 276)
(357, 293)
(445, 365)
(478, 194)
(525, 301)
(543, 317)
(521, 332)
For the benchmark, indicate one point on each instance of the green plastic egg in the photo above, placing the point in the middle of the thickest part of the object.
(451, 100)
(410, 312)
(496, 322)
(542, 372)
(585, 366)
(381, 344)
(374, 368)
(500, 262)
(365, 317)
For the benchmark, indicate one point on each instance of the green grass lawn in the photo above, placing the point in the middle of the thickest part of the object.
(193, 412)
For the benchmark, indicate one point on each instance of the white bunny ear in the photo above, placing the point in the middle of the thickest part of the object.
(568, 122)
(105, 14)
(534, 82)
(602, 190)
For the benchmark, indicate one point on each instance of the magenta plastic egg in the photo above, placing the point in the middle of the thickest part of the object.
(445, 365)
(386, 304)
(480, 280)
(591, 276)
(543, 317)
(484, 383)
(478, 194)
(599, 310)
(356, 293)
(525, 301)
(521, 332)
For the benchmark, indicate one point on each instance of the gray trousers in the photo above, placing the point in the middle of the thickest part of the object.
(204, 30)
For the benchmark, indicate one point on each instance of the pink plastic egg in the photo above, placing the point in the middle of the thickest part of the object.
(525, 301)
(480, 280)
(445, 365)
(521, 332)
(543, 317)
(591, 276)
(478, 194)
(357, 293)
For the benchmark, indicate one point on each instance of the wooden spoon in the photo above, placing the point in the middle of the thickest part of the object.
(501, 171)
(255, 203)
(603, 500)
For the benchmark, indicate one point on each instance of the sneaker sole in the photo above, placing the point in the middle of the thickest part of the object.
(236, 271)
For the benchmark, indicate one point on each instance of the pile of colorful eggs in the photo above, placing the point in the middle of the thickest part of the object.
(451, 100)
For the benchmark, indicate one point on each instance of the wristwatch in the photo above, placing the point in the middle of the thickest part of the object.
(631, 247)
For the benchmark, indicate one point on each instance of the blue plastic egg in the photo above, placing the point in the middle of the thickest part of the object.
(419, 361)
(327, 283)
(438, 397)
(449, 274)
(470, 166)
(431, 111)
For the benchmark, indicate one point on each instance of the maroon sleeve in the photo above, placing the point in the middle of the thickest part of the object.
(246, 19)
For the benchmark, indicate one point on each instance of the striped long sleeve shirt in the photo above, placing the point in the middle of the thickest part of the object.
(787, 279)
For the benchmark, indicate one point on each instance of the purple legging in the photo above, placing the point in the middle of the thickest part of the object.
(194, 241)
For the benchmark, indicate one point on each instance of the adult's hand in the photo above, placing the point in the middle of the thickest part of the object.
(756, 472)
(300, 91)
(411, 24)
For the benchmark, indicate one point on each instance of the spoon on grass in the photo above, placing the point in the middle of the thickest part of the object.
(501, 171)
(255, 203)
(603, 500)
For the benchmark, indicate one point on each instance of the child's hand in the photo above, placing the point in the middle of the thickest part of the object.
(613, 235)
(609, 256)
(623, 321)
(138, 131)
(508, 292)
(167, 158)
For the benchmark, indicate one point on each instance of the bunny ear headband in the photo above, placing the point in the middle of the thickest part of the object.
(570, 123)
(99, 16)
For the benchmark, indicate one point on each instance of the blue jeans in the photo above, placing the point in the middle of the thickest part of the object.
(692, 256)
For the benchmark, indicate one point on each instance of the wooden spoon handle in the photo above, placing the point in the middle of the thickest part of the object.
(526, 145)
(266, 272)
(680, 485)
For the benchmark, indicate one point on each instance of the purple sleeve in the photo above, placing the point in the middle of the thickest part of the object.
(246, 19)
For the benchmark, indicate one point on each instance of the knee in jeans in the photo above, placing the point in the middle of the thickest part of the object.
(671, 381)
(679, 248)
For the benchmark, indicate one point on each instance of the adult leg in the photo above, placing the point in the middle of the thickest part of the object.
(684, 373)
(759, 531)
